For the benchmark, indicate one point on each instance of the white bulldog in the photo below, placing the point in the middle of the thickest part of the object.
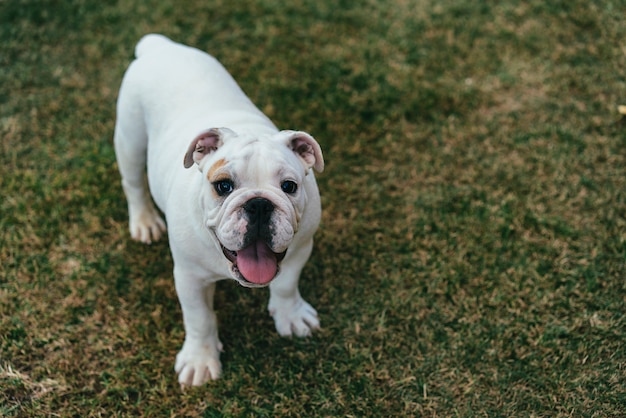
(249, 208)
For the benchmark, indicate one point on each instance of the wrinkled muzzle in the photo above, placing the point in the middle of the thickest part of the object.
(255, 263)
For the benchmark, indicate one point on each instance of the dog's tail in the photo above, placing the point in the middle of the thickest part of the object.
(150, 42)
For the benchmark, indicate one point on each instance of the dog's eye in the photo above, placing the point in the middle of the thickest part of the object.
(289, 187)
(223, 187)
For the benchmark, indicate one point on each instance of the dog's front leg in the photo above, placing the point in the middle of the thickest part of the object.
(292, 314)
(199, 359)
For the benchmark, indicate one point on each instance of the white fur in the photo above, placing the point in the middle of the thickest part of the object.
(170, 95)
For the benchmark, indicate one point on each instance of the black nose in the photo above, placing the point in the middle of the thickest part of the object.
(259, 210)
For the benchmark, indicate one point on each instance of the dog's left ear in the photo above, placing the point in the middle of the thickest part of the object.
(204, 144)
(307, 148)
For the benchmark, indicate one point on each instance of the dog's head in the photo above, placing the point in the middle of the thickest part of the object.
(253, 195)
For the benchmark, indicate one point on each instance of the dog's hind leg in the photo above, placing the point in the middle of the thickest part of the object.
(131, 143)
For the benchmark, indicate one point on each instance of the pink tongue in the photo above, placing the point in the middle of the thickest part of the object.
(257, 263)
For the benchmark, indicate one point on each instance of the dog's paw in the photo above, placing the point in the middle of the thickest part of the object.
(146, 225)
(294, 317)
(198, 363)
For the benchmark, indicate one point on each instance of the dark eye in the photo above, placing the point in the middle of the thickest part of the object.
(289, 187)
(223, 187)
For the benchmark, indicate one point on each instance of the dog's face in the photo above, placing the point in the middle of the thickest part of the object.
(253, 195)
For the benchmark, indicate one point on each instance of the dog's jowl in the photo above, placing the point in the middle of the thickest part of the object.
(239, 196)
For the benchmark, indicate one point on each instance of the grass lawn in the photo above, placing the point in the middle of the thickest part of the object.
(472, 254)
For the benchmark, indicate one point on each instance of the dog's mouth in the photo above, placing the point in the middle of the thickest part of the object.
(255, 264)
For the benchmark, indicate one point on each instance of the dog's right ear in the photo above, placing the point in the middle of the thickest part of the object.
(204, 144)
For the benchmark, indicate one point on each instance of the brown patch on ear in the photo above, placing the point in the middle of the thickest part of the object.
(204, 144)
(307, 148)
(211, 173)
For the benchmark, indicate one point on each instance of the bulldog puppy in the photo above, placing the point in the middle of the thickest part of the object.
(239, 196)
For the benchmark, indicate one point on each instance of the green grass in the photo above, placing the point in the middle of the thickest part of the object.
(472, 256)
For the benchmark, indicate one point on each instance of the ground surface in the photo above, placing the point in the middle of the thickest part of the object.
(472, 256)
